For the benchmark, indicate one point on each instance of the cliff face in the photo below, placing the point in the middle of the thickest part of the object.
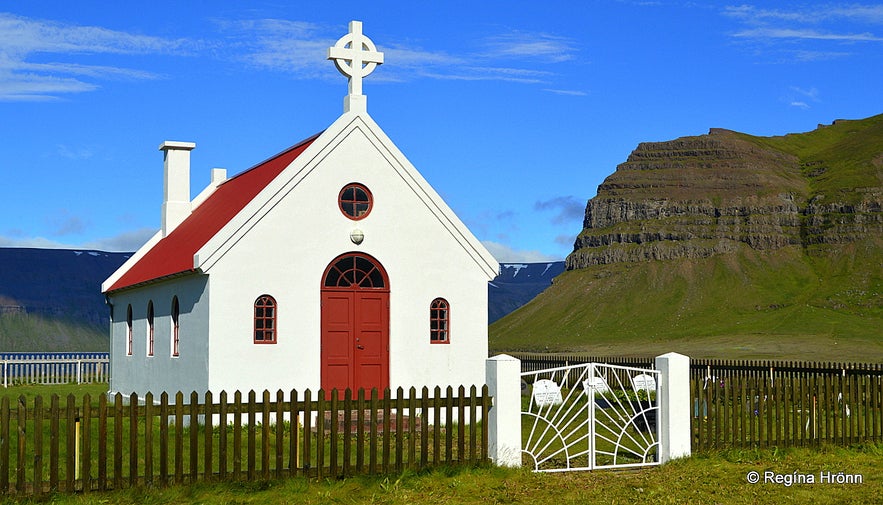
(695, 197)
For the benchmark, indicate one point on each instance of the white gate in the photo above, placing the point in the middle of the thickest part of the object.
(589, 416)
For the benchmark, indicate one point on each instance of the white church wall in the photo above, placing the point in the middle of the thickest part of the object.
(161, 372)
(286, 252)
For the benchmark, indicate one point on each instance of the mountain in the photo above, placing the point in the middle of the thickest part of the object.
(517, 284)
(50, 299)
(725, 245)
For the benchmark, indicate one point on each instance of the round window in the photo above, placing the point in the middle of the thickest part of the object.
(355, 201)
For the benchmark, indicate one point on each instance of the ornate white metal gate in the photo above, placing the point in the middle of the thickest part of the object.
(589, 416)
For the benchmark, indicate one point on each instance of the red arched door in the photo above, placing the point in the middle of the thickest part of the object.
(355, 324)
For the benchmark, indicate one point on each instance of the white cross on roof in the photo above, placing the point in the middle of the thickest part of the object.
(355, 56)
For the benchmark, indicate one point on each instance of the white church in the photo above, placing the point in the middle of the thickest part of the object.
(332, 264)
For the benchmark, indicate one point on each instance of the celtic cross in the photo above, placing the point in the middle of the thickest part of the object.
(355, 56)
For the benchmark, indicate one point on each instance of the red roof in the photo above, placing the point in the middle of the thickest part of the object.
(173, 255)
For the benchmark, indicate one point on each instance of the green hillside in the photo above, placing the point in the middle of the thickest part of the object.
(35, 333)
(818, 299)
(836, 159)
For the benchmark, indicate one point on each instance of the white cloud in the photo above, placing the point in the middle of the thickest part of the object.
(802, 97)
(416, 58)
(524, 45)
(809, 31)
(810, 56)
(64, 223)
(128, 241)
(565, 240)
(568, 209)
(791, 33)
(35, 242)
(869, 14)
(811, 93)
(467, 73)
(297, 47)
(23, 38)
(566, 92)
(300, 48)
(74, 153)
(506, 254)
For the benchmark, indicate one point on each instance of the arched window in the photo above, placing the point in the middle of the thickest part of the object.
(150, 328)
(265, 320)
(175, 314)
(439, 322)
(129, 331)
(355, 271)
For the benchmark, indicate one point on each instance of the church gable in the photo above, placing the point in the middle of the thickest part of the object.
(352, 147)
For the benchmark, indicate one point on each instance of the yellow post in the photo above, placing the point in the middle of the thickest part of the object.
(77, 449)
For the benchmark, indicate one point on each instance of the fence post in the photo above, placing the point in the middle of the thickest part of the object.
(673, 428)
(503, 378)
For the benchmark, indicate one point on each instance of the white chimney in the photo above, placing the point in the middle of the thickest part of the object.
(176, 184)
(219, 175)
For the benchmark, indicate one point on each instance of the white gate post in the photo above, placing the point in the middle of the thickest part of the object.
(673, 398)
(503, 378)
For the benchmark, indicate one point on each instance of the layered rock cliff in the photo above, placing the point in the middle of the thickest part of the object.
(695, 197)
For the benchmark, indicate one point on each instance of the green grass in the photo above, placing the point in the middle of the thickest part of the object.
(781, 304)
(836, 159)
(34, 333)
(718, 477)
(30, 391)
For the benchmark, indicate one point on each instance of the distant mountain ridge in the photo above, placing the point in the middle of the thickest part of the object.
(58, 283)
(50, 299)
(517, 284)
(55, 287)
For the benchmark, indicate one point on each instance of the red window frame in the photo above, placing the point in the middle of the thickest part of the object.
(150, 328)
(439, 322)
(266, 311)
(175, 327)
(355, 201)
(129, 331)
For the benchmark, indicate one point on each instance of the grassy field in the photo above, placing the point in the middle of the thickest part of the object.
(35, 333)
(778, 305)
(707, 479)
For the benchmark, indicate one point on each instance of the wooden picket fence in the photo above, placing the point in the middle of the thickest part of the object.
(788, 404)
(101, 444)
(762, 403)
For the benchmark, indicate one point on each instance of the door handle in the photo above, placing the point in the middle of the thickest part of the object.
(360, 347)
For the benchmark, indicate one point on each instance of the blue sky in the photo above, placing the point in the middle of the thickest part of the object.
(513, 111)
